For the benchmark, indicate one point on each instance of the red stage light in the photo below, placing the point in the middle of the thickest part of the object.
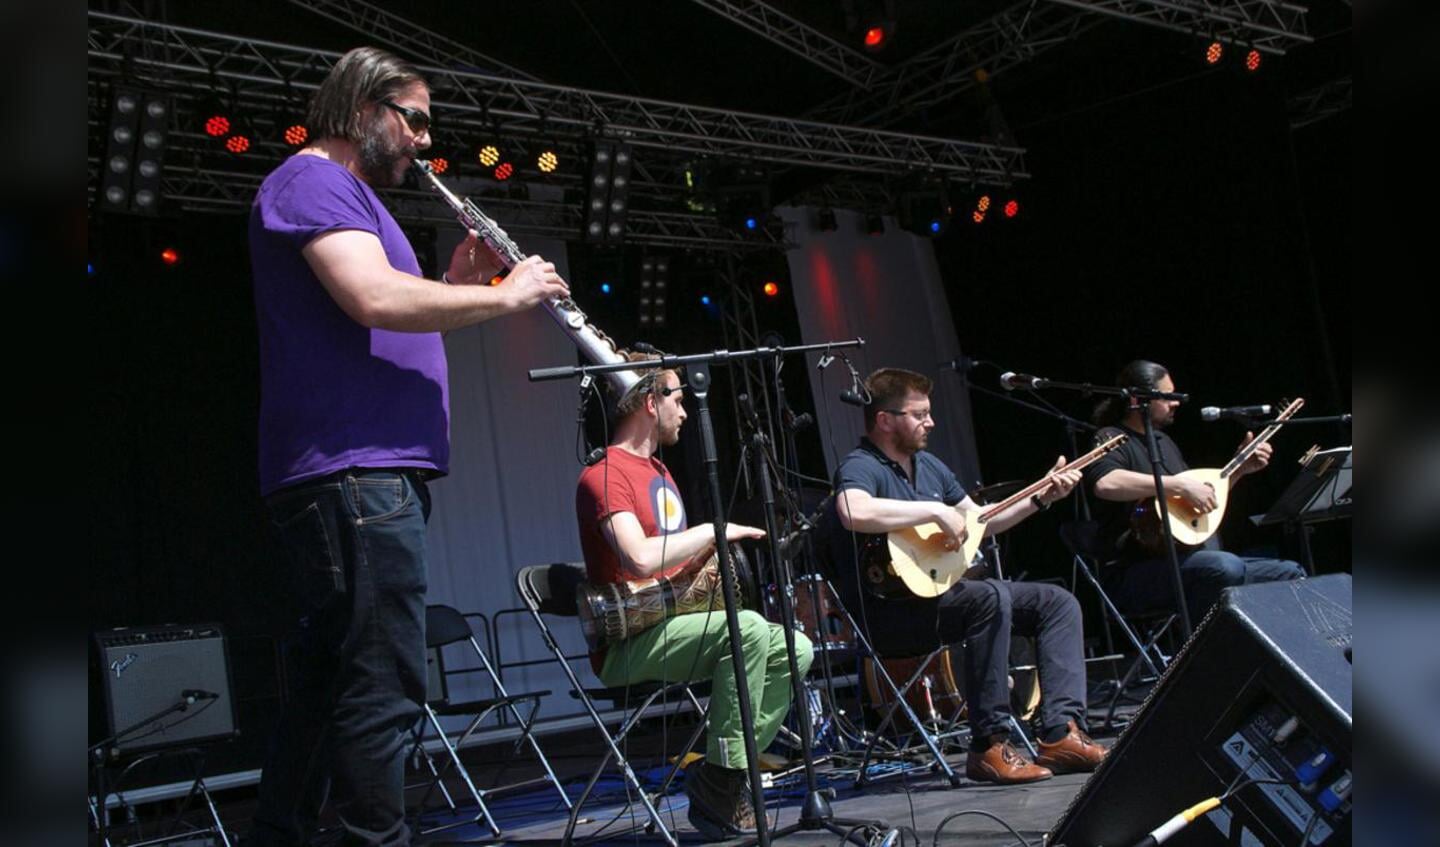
(237, 144)
(771, 289)
(170, 256)
(439, 164)
(977, 216)
(874, 37)
(1252, 60)
(296, 134)
(1012, 208)
(503, 172)
(983, 204)
(217, 125)
(1214, 52)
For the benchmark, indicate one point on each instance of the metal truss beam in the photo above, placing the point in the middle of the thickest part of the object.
(480, 100)
(808, 43)
(1270, 26)
(406, 37)
(202, 189)
(1009, 38)
(1320, 103)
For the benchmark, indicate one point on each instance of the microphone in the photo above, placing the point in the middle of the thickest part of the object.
(1215, 413)
(852, 397)
(1011, 381)
(959, 364)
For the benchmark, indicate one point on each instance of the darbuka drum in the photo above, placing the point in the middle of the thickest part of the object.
(615, 611)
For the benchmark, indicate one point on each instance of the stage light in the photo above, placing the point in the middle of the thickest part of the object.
(548, 162)
(170, 256)
(1214, 52)
(983, 204)
(605, 288)
(1012, 208)
(489, 155)
(504, 171)
(134, 151)
(496, 279)
(237, 144)
(89, 268)
(875, 37)
(751, 223)
(296, 135)
(704, 299)
(977, 216)
(771, 289)
(1252, 61)
(439, 164)
(217, 125)
(935, 227)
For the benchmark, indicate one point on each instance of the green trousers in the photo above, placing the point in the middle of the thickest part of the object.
(695, 647)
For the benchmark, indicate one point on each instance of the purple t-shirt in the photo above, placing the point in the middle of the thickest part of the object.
(334, 394)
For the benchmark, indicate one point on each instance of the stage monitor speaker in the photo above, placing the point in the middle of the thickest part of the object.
(1261, 692)
(165, 686)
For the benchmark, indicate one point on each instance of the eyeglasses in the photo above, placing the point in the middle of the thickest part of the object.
(919, 416)
(418, 121)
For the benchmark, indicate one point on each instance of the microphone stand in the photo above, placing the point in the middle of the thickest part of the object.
(1153, 448)
(101, 750)
(697, 372)
(815, 812)
(1071, 425)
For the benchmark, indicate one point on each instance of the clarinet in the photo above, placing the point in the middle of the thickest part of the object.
(596, 345)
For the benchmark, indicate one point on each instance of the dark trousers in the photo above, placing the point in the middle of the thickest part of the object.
(1204, 572)
(356, 660)
(983, 614)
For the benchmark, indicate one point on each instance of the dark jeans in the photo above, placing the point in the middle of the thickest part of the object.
(984, 614)
(356, 546)
(1147, 585)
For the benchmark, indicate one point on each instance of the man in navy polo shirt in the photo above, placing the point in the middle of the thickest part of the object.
(354, 418)
(890, 482)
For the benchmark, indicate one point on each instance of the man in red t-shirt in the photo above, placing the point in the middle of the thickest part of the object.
(632, 526)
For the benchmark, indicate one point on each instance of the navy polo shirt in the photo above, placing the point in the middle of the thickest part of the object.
(871, 471)
(905, 626)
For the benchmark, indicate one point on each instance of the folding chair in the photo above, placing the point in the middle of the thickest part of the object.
(549, 590)
(444, 626)
(1082, 538)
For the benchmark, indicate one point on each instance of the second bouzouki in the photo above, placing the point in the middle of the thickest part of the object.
(1188, 526)
(917, 554)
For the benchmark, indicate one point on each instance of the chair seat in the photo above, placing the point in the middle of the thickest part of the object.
(641, 690)
(471, 707)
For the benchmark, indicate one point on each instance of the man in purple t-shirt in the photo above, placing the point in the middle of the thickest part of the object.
(354, 417)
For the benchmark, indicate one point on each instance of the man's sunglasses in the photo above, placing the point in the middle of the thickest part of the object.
(418, 121)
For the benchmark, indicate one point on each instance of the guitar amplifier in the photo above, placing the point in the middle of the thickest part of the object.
(165, 686)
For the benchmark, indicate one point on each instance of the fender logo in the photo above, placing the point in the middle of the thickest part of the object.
(118, 666)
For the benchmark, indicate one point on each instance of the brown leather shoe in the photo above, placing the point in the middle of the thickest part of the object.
(1074, 753)
(1003, 764)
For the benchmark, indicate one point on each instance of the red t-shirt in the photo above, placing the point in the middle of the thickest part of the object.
(624, 482)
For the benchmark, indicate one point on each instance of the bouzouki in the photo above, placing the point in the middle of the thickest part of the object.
(1188, 526)
(918, 556)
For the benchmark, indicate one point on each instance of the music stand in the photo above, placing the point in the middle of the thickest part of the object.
(1319, 493)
